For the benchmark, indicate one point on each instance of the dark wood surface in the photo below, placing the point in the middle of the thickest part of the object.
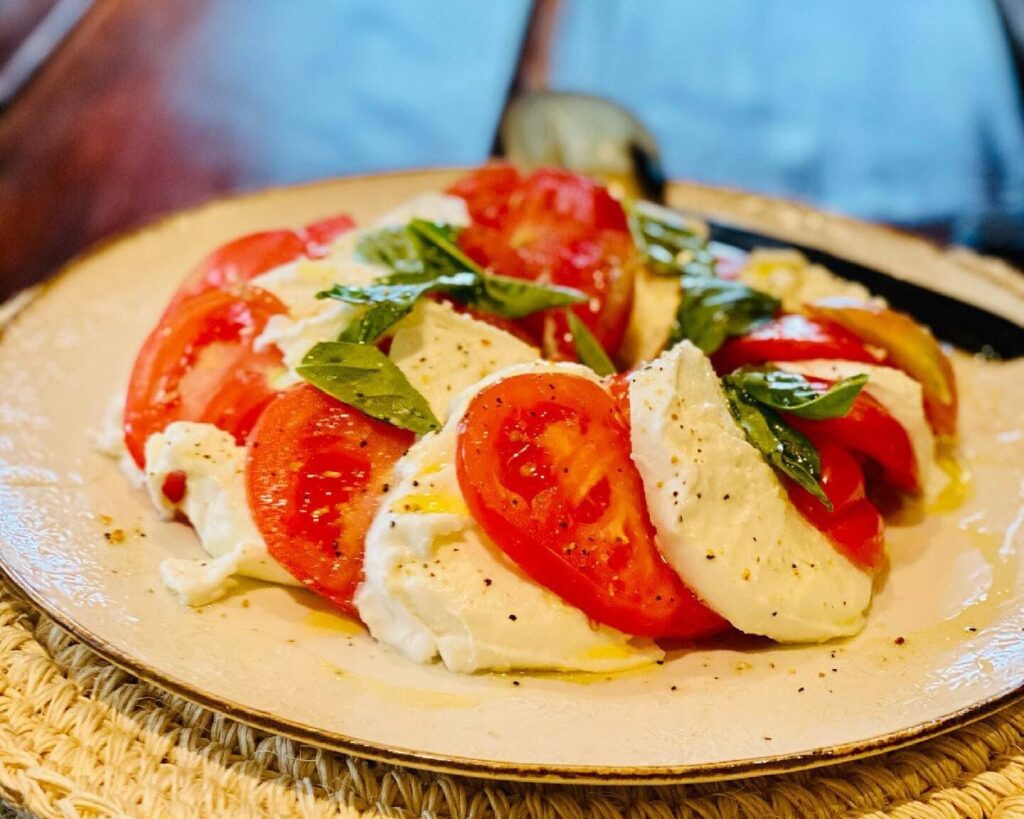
(96, 143)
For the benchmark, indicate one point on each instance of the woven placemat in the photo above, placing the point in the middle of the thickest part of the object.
(79, 737)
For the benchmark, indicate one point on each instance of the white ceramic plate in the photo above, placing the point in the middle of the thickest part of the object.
(280, 660)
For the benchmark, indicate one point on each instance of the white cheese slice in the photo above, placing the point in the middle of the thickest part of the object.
(787, 275)
(655, 301)
(436, 586)
(311, 320)
(723, 519)
(442, 352)
(216, 505)
(901, 395)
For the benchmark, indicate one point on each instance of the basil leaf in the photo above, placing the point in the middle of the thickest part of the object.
(363, 377)
(441, 263)
(791, 392)
(390, 303)
(782, 446)
(515, 298)
(438, 242)
(391, 247)
(714, 309)
(671, 243)
(588, 348)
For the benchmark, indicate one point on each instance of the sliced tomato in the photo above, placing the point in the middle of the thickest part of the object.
(315, 472)
(488, 191)
(618, 386)
(543, 461)
(791, 337)
(870, 431)
(198, 364)
(319, 235)
(854, 524)
(562, 228)
(603, 266)
(909, 345)
(249, 256)
(552, 196)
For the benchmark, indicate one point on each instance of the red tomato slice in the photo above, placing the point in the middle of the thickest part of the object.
(320, 235)
(315, 472)
(791, 337)
(198, 364)
(544, 464)
(604, 267)
(249, 256)
(551, 196)
(561, 228)
(854, 524)
(487, 192)
(868, 430)
(618, 386)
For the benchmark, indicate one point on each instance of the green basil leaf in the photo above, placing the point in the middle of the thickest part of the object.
(516, 298)
(438, 242)
(441, 260)
(671, 243)
(389, 303)
(588, 348)
(363, 377)
(791, 392)
(391, 247)
(714, 309)
(783, 447)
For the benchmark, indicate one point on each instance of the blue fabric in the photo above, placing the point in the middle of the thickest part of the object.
(354, 86)
(896, 110)
(903, 110)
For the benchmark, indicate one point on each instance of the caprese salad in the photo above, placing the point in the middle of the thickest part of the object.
(524, 424)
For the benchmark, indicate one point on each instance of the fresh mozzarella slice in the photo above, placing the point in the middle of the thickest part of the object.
(436, 586)
(787, 275)
(215, 504)
(723, 519)
(443, 352)
(311, 320)
(432, 206)
(901, 395)
(655, 301)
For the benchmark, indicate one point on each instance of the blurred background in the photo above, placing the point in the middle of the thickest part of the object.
(113, 111)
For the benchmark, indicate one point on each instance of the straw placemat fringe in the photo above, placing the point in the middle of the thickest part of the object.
(81, 738)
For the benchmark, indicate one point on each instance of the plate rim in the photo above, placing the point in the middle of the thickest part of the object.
(23, 301)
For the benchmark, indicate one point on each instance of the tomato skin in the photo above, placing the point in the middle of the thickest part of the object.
(173, 486)
(791, 337)
(854, 524)
(543, 464)
(319, 235)
(909, 346)
(315, 473)
(198, 364)
(487, 192)
(552, 196)
(246, 257)
(869, 431)
(556, 227)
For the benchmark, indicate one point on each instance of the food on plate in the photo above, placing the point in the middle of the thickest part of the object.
(524, 425)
